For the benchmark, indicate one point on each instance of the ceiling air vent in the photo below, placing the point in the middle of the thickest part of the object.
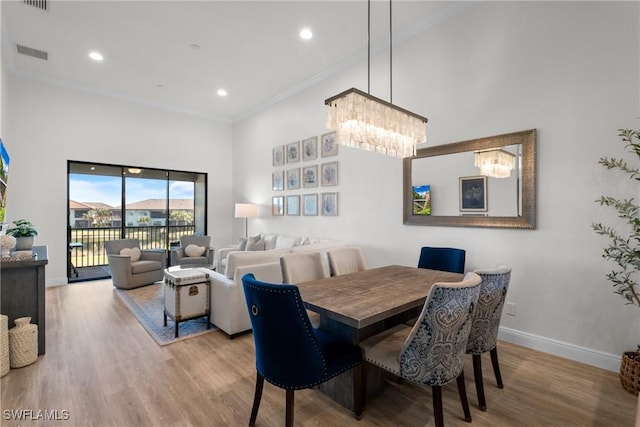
(38, 4)
(29, 51)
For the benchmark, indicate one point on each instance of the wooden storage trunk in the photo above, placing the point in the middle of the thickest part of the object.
(186, 295)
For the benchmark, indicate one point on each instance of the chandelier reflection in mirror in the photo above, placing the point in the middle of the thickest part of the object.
(496, 163)
(369, 123)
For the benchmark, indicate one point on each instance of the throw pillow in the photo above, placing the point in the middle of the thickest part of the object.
(252, 241)
(194, 250)
(255, 246)
(243, 243)
(134, 253)
(269, 241)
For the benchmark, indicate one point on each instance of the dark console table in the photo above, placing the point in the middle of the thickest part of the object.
(22, 291)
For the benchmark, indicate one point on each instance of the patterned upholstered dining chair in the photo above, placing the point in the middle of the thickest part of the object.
(345, 260)
(432, 351)
(290, 353)
(443, 259)
(486, 321)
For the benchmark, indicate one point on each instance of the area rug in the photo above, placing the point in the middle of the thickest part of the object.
(147, 305)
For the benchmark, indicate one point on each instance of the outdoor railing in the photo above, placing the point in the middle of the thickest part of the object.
(91, 252)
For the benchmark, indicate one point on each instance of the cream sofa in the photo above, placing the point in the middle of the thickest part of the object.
(274, 246)
(228, 310)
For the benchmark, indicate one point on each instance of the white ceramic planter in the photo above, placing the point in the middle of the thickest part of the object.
(24, 243)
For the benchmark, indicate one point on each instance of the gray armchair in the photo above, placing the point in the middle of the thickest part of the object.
(127, 270)
(181, 256)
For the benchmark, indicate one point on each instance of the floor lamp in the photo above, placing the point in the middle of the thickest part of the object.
(246, 210)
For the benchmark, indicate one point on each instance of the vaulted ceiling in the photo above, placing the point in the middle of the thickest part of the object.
(177, 54)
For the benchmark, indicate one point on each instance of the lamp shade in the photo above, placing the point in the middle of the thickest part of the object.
(246, 210)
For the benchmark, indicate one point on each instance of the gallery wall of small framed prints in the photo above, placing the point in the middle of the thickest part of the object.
(306, 172)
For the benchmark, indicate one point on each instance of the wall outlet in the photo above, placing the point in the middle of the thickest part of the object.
(511, 309)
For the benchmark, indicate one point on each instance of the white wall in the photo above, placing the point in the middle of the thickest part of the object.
(569, 69)
(48, 125)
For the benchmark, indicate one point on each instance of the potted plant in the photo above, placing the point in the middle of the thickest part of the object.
(624, 250)
(24, 232)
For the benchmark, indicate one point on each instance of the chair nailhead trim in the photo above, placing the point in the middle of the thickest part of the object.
(301, 309)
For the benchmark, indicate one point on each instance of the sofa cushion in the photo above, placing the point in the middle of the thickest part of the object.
(194, 250)
(134, 253)
(287, 242)
(145, 266)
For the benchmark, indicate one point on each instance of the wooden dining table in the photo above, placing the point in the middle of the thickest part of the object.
(359, 305)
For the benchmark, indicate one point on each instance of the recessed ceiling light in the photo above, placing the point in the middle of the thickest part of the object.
(96, 56)
(221, 92)
(305, 34)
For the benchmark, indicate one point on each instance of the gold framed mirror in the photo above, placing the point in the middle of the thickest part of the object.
(484, 182)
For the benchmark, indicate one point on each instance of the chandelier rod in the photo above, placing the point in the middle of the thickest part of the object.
(390, 50)
(369, 47)
(390, 56)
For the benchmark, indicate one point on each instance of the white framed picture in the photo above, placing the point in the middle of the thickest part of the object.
(329, 204)
(310, 176)
(277, 205)
(278, 180)
(328, 145)
(278, 155)
(293, 152)
(329, 174)
(293, 179)
(293, 205)
(310, 204)
(310, 149)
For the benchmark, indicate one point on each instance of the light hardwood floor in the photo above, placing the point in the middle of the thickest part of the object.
(103, 368)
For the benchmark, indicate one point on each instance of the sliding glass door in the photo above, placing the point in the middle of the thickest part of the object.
(109, 202)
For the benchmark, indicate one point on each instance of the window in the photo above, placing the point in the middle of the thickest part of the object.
(159, 206)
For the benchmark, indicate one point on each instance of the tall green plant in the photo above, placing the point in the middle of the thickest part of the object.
(624, 248)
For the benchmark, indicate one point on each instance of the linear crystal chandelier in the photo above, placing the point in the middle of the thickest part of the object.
(369, 123)
(496, 163)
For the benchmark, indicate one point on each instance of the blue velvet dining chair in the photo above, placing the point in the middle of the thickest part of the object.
(290, 353)
(443, 259)
(431, 352)
(486, 321)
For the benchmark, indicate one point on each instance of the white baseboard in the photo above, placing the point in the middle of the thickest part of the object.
(589, 356)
